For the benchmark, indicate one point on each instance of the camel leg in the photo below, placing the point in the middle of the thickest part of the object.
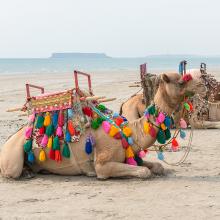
(116, 169)
(155, 168)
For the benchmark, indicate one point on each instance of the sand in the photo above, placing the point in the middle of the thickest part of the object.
(189, 191)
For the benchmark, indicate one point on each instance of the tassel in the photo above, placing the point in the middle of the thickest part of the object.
(52, 154)
(87, 111)
(127, 131)
(47, 119)
(160, 155)
(190, 106)
(119, 121)
(129, 152)
(130, 141)
(151, 110)
(124, 143)
(56, 143)
(167, 134)
(66, 150)
(118, 136)
(50, 130)
(68, 137)
(31, 118)
(141, 154)
(42, 156)
(100, 120)
(55, 119)
(161, 137)
(94, 124)
(61, 118)
(131, 161)
(152, 132)
(31, 157)
(182, 134)
(28, 146)
(163, 127)
(59, 131)
(146, 127)
(183, 123)
(42, 130)
(174, 145)
(57, 156)
(70, 128)
(44, 141)
(113, 131)
(88, 147)
(50, 142)
(139, 161)
(106, 126)
(40, 121)
(161, 118)
(101, 107)
(167, 122)
(186, 106)
(115, 115)
(28, 132)
(70, 113)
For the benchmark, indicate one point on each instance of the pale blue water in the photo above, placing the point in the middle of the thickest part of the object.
(59, 65)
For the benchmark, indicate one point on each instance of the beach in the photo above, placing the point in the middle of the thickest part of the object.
(188, 191)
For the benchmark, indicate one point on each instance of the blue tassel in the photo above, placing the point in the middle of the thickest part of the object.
(70, 113)
(68, 136)
(88, 147)
(115, 115)
(125, 119)
(31, 157)
(182, 134)
(55, 119)
(160, 155)
(167, 122)
(130, 141)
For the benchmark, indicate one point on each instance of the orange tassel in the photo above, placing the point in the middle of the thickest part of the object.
(70, 128)
(57, 156)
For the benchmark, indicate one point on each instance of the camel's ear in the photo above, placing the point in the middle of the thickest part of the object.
(165, 78)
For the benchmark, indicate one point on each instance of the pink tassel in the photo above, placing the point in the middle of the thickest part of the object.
(161, 118)
(44, 141)
(131, 161)
(183, 123)
(152, 132)
(28, 132)
(59, 131)
(31, 118)
(61, 118)
(106, 126)
(141, 154)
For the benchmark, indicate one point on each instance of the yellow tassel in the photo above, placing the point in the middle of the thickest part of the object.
(47, 119)
(113, 131)
(163, 126)
(146, 127)
(42, 156)
(127, 131)
(50, 142)
(129, 152)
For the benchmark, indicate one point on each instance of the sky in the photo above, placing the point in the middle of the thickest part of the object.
(119, 28)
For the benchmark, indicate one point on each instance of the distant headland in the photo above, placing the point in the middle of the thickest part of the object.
(79, 55)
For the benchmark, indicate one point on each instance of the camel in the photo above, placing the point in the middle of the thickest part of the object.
(108, 157)
(134, 108)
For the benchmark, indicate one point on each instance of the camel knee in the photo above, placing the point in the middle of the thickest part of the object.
(158, 169)
(144, 172)
(101, 171)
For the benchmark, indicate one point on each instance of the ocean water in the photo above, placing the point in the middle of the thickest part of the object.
(59, 65)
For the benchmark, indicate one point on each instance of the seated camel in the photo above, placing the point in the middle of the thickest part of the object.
(134, 108)
(109, 154)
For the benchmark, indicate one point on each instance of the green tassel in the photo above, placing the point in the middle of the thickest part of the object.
(49, 130)
(161, 137)
(100, 120)
(66, 150)
(56, 143)
(152, 110)
(139, 161)
(167, 134)
(40, 121)
(101, 107)
(28, 146)
(95, 124)
(186, 105)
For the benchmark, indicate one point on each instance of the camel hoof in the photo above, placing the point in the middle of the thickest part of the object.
(27, 173)
(158, 169)
(144, 173)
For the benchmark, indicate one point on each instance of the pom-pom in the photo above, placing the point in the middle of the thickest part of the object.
(118, 136)
(152, 132)
(151, 110)
(167, 134)
(127, 131)
(57, 156)
(59, 131)
(174, 145)
(50, 142)
(28, 132)
(42, 130)
(66, 150)
(56, 143)
(61, 118)
(42, 156)
(183, 123)
(161, 137)
(182, 134)
(160, 155)
(119, 121)
(55, 119)
(47, 119)
(142, 154)
(124, 143)
(130, 141)
(31, 118)
(68, 137)
(131, 161)
(31, 157)
(44, 141)
(161, 117)
(88, 146)
(28, 146)
(52, 154)
(70, 113)
(106, 126)
(146, 127)
(50, 130)
(40, 121)
(113, 131)
(167, 122)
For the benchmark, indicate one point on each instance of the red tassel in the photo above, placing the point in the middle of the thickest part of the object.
(152, 132)
(52, 154)
(117, 136)
(118, 121)
(124, 143)
(57, 156)
(70, 128)
(191, 106)
(187, 77)
(174, 145)
(42, 130)
(61, 118)
(87, 111)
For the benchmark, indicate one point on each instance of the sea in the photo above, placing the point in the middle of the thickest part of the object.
(64, 65)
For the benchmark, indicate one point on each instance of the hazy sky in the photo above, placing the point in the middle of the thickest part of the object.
(36, 28)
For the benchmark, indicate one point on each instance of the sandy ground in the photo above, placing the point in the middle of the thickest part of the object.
(190, 191)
